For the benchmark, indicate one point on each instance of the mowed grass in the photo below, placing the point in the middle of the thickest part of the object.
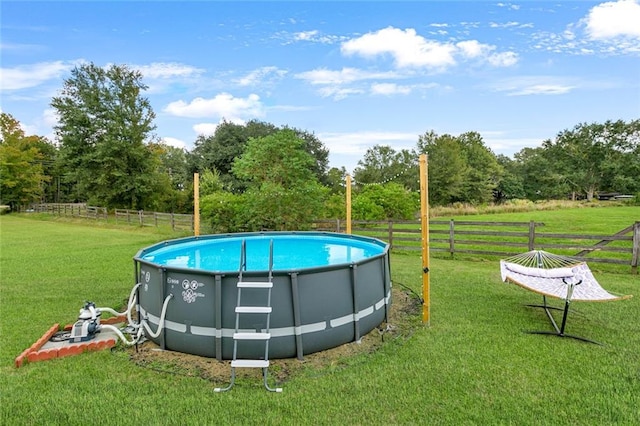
(473, 365)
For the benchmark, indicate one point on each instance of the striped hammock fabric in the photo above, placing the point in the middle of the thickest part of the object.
(555, 276)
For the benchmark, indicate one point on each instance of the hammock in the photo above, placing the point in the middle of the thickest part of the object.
(555, 276)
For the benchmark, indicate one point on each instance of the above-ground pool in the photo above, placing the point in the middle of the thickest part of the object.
(328, 289)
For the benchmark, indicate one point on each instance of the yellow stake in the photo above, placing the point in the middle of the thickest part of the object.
(348, 226)
(424, 224)
(196, 204)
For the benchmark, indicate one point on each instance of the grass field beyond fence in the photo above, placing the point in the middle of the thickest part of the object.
(474, 365)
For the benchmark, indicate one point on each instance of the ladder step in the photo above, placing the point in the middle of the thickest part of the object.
(250, 363)
(255, 284)
(253, 310)
(251, 336)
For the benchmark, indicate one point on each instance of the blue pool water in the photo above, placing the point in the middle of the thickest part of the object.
(290, 252)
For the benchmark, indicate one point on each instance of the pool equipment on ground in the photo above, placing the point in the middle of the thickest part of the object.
(87, 325)
(293, 293)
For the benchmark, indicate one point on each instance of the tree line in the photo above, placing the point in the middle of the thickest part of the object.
(258, 175)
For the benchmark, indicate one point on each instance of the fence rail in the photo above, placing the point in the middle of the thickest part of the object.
(70, 209)
(501, 239)
(145, 218)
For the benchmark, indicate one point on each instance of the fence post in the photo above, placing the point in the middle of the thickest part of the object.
(173, 222)
(452, 234)
(141, 217)
(390, 231)
(635, 251)
(338, 225)
(532, 235)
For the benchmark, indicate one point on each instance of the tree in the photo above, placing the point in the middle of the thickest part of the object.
(583, 161)
(284, 192)
(336, 180)
(536, 170)
(171, 183)
(382, 164)
(104, 122)
(22, 178)
(483, 171)
(447, 167)
(510, 185)
(218, 151)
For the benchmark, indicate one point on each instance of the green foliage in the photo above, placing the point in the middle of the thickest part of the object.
(483, 171)
(364, 208)
(447, 167)
(210, 182)
(229, 142)
(22, 178)
(283, 191)
(395, 202)
(510, 186)
(334, 207)
(104, 123)
(273, 207)
(336, 180)
(383, 164)
(222, 212)
(587, 159)
(461, 168)
(171, 191)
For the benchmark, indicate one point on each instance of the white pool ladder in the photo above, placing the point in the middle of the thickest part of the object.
(263, 335)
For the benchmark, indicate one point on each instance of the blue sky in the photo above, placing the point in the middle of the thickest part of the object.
(356, 73)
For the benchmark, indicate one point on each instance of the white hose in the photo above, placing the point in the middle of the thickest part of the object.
(138, 326)
(130, 304)
(122, 337)
(161, 322)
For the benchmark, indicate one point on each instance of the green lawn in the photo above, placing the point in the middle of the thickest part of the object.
(472, 366)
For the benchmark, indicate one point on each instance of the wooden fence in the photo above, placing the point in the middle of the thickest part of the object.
(70, 209)
(145, 218)
(500, 239)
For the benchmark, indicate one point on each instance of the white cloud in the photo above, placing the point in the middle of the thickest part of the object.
(206, 129)
(223, 105)
(305, 35)
(21, 47)
(388, 89)
(509, 146)
(543, 89)
(178, 143)
(473, 48)
(27, 76)
(310, 36)
(407, 48)
(50, 117)
(259, 75)
(535, 85)
(510, 24)
(614, 19)
(509, 6)
(164, 70)
(359, 142)
(338, 93)
(343, 76)
(333, 82)
(410, 50)
(505, 59)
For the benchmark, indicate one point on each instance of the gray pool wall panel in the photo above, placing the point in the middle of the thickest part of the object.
(314, 309)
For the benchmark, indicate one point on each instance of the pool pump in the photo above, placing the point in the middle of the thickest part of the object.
(87, 325)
